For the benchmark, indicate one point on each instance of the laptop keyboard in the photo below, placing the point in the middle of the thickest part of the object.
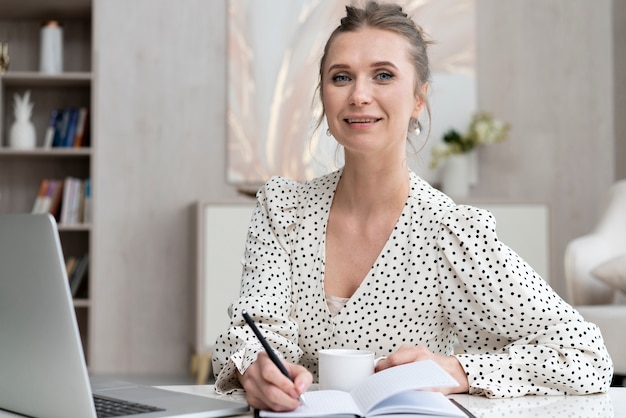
(106, 407)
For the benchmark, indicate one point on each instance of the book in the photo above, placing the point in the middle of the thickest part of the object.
(70, 265)
(78, 275)
(81, 127)
(40, 205)
(56, 196)
(69, 192)
(74, 202)
(394, 391)
(72, 124)
(61, 127)
(80, 206)
(86, 142)
(52, 124)
(87, 202)
(73, 206)
(49, 197)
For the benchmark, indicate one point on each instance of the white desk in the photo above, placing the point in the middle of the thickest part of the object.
(610, 405)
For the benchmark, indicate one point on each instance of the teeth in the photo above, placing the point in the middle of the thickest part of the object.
(361, 120)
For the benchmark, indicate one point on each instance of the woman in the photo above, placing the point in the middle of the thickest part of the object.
(372, 257)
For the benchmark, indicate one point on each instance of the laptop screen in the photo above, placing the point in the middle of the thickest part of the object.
(42, 361)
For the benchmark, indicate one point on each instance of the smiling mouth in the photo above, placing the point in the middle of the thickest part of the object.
(362, 120)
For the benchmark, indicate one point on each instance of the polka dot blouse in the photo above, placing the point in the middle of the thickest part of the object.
(442, 275)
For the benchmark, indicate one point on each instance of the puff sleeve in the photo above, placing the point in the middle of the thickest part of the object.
(518, 336)
(265, 287)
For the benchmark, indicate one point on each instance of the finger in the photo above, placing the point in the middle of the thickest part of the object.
(302, 378)
(272, 378)
(405, 354)
(271, 401)
(277, 400)
(267, 388)
(262, 394)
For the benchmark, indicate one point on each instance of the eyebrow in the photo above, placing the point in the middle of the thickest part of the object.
(373, 65)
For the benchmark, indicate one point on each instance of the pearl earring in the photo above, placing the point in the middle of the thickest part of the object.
(328, 132)
(415, 126)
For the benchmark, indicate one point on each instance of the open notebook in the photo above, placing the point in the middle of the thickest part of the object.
(42, 366)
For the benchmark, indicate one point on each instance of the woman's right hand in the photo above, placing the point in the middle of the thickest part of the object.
(267, 388)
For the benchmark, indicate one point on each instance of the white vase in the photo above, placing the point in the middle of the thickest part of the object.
(455, 177)
(472, 157)
(22, 135)
(51, 49)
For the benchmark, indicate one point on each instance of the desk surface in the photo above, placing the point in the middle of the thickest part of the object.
(609, 405)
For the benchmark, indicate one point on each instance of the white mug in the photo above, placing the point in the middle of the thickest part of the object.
(343, 369)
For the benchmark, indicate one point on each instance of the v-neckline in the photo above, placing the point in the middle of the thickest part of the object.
(367, 278)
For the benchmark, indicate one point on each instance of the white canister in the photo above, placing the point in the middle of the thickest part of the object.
(51, 53)
(455, 178)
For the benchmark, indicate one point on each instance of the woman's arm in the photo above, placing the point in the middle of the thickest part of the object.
(265, 288)
(519, 337)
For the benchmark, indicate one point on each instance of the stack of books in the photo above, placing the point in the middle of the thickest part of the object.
(68, 200)
(68, 128)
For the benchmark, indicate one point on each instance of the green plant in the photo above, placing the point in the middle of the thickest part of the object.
(483, 129)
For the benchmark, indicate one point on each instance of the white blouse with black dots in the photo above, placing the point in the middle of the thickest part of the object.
(442, 273)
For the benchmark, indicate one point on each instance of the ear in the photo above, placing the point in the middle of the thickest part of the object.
(419, 102)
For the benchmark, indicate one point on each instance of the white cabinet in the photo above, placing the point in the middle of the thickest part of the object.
(525, 228)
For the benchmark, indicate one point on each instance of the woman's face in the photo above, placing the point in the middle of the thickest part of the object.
(368, 88)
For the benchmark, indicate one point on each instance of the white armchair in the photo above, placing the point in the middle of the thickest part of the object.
(595, 274)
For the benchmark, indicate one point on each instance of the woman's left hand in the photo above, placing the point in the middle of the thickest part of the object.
(409, 354)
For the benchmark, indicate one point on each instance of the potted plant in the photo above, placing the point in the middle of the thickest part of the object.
(483, 130)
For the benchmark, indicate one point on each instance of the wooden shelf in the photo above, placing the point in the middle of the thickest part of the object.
(38, 79)
(82, 303)
(74, 227)
(46, 152)
(38, 9)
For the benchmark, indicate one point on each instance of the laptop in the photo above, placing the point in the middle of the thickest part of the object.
(42, 367)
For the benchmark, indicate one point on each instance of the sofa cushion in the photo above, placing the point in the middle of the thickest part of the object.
(612, 272)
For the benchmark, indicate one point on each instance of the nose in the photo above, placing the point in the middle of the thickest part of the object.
(360, 94)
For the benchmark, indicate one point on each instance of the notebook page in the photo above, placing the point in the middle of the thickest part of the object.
(418, 402)
(411, 376)
(320, 403)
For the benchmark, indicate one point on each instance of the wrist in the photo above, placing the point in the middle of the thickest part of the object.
(456, 370)
(240, 377)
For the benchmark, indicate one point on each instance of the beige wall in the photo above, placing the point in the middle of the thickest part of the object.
(619, 63)
(547, 68)
(159, 131)
(159, 138)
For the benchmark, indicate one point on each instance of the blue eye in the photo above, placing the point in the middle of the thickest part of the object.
(384, 76)
(340, 78)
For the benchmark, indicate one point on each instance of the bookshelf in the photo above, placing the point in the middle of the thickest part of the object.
(22, 171)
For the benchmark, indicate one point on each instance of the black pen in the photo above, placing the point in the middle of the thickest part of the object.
(268, 349)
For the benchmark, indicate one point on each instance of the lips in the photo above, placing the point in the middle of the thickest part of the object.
(362, 120)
